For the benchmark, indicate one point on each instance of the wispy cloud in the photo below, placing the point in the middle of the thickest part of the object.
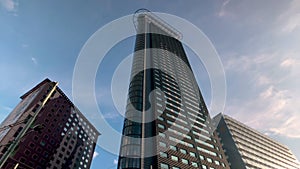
(246, 63)
(292, 23)
(290, 19)
(223, 12)
(9, 5)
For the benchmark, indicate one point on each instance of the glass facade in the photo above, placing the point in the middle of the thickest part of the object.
(247, 148)
(167, 124)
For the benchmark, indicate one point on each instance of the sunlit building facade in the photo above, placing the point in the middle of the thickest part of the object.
(46, 131)
(249, 149)
(167, 124)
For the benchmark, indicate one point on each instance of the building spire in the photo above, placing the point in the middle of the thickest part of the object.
(150, 17)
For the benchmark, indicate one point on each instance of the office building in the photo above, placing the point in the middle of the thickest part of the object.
(46, 130)
(249, 149)
(167, 124)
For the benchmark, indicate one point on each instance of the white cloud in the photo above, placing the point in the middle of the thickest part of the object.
(8, 109)
(289, 62)
(275, 100)
(24, 45)
(9, 5)
(33, 59)
(232, 63)
(4, 111)
(95, 154)
(263, 80)
(270, 100)
(110, 115)
(115, 162)
(267, 93)
(273, 112)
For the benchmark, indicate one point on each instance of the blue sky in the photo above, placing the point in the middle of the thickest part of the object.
(257, 41)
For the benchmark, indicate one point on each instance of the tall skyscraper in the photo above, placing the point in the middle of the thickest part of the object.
(167, 124)
(247, 148)
(46, 130)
